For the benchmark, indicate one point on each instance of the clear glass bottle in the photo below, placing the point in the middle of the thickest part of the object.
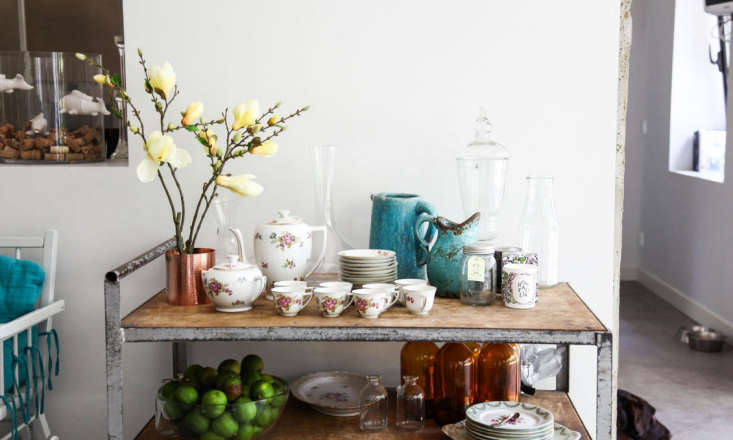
(482, 167)
(418, 358)
(499, 373)
(226, 213)
(540, 229)
(456, 381)
(478, 274)
(324, 165)
(410, 405)
(373, 405)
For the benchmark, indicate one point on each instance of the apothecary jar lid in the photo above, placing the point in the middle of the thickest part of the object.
(482, 247)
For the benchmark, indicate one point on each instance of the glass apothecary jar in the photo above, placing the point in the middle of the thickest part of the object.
(478, 274)
(499, 372)
(373, 405)
(51, 109)
(482, 167)
(410, 405)
(456, 381)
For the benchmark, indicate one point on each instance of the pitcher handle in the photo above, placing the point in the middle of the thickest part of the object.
(322, 255)
(423, 250)
(422, 253)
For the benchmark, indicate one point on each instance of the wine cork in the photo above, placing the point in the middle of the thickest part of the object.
(55, 156)
(59, 149)
(30, 155)
(74, 156)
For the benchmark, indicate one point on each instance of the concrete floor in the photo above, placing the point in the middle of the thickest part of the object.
(692, 391)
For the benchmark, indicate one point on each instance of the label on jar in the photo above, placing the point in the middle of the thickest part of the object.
(476, 268)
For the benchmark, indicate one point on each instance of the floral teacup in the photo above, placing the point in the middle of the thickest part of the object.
(372, 302)
(332, 301)
(419, 298)
(408, 282)
(343, 285)
(291, 299)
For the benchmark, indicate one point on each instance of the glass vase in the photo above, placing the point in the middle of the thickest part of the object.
(324, 163)
(410, 405)
(540, 229)
(226, 213)
(482, 167)
(373, 405)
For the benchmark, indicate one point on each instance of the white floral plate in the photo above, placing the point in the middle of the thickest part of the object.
(367, 273)
(458, 432)
(361, 254)
(532, 418)
(390, 265)
(334, 393)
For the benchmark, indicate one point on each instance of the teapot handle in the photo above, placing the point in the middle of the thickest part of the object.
(322, 255)
(240, 243)
(261, 284)
(423, 251)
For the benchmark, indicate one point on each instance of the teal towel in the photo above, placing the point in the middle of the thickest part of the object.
(21, 282)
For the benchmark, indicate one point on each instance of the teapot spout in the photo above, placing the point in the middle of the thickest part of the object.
(240, 243)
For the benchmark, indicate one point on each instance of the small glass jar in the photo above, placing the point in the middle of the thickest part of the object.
(373, 405)
(418, 358)
(478, 274)
(410, 405)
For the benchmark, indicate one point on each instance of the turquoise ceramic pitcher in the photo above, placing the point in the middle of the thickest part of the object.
(392, 228)
(444, 258)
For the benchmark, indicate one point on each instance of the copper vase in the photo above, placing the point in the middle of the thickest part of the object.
(183, 276)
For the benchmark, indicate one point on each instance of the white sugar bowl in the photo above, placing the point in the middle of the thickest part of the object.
(233, 286)
(283, 246)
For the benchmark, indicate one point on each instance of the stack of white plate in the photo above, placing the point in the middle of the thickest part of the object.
(509, 421)
(363, 266)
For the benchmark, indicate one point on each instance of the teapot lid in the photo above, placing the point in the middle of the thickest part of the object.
(284, 218)
(232, 264)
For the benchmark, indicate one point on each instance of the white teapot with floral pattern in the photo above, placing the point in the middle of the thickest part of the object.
(283, 247)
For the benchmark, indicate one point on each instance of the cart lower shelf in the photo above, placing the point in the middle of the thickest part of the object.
(303, 423)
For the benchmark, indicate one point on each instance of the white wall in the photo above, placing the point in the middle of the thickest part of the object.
(397, 85)
(684, 219)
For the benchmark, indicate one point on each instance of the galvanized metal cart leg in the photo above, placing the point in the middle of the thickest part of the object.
(113, 336)
(604, 386)
(562, 380)
(180, 357)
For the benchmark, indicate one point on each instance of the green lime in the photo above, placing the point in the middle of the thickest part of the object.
(252, 362)
(250, 377)
(246, 432)
(196, 422)
(244, 409)
(207, 377)
(192, 371)
(173, 410)
(261, 390)
(281, 395)
(167, 391)
(194, 382)
(213, 404)
(229, 365)
(264, 416)
(186, 394)
(208, 435)
(233, 388)
(267, 378)
(222, 377)
(225, 425)
(257, 430)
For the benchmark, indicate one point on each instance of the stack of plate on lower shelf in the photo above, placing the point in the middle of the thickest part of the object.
(509, 421)
(363, 266)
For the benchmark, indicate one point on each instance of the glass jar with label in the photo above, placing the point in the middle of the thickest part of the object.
(478, 274)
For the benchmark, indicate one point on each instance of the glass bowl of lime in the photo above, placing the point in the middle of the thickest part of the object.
(219, 404)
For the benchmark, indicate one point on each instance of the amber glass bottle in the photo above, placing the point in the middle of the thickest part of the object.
(456, 382)
(418, 359)
(499, 374)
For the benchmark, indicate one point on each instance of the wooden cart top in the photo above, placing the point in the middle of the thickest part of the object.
(559, 309)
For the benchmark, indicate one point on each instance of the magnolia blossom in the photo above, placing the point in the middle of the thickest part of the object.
(244, 185)
(274, 119)
(193, 112)
(101, 79)
(267, 149)
(80, 56)
(163, 79)
(210, 137)
(245, 114)
(160, 149)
